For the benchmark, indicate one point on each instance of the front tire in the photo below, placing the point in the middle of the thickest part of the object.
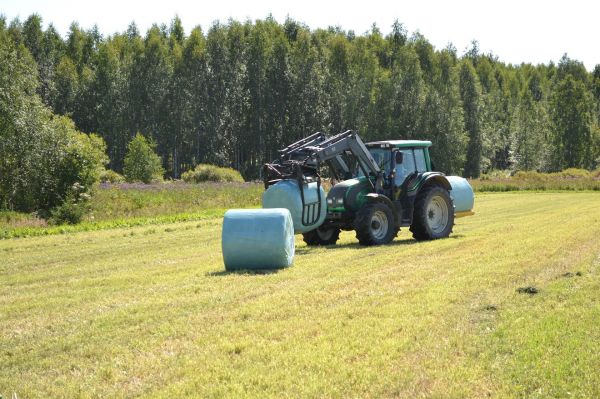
(433, 216)
(321, 236)
(375, 224)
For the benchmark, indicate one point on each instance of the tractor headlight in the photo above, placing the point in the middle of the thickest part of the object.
(340, 201)
(329, 201)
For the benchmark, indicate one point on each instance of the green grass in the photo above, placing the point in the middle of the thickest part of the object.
(43, 229)
(126, 205)
(149, 311)
(143, 200)
(136, 204)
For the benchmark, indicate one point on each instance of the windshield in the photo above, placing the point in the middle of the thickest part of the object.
(382, 157)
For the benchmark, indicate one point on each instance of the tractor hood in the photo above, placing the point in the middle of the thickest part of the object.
(348, 194)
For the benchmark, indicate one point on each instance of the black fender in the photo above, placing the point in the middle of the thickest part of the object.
(436, 178)
(374, 197)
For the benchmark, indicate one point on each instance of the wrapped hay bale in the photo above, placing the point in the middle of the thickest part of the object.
(286, 194)
(461, 194)
(257, 239)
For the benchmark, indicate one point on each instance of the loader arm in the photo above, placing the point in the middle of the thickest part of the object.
(302, 159)
(349, 143)
(303, 150)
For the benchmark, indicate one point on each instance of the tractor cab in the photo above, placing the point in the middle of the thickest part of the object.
(400, 159)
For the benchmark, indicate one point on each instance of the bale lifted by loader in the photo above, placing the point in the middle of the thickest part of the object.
(382, 186)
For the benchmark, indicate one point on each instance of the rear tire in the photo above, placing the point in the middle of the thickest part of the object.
(321, 236)
(375, 224)
(433, 216)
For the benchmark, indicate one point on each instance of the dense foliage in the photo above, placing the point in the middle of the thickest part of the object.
(44, 160)
(141, 162)
(203, 173)
(233, 95)
(110, 176)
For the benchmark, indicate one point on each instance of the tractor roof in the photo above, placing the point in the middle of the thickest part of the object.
(400, 143)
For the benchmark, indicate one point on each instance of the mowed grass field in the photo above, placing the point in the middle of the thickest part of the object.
(148, 311)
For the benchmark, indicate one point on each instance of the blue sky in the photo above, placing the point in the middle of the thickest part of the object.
(516, 31)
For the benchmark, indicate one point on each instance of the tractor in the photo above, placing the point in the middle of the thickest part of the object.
(377, 188)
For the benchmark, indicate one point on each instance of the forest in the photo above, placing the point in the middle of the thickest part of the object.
(233, 95)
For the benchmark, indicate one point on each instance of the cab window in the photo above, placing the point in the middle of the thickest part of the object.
(382, 158)
(420, 160)
(406, 167)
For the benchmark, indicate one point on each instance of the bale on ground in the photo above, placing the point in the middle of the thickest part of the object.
(257, 239)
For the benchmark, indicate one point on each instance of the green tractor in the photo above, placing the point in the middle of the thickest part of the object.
(378, 188)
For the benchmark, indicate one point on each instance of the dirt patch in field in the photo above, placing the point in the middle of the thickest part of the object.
(531, 290)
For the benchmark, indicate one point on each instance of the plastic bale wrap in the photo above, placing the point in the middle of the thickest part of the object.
(461, 193)
(285, 194)
(257, 239)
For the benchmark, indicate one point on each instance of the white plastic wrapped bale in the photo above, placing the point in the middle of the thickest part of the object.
(462, 196)
(257, 239)
(285, 194)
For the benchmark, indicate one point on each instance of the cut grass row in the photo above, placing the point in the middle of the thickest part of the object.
(149, 311)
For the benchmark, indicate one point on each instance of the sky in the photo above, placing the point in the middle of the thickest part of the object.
(533, 31)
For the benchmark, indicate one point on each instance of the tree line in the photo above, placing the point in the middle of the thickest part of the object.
(235, 94)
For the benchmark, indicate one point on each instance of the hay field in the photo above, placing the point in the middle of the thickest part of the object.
(148, 311)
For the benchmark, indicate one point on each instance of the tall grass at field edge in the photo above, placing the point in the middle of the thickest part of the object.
(567, 180)
(21, 232)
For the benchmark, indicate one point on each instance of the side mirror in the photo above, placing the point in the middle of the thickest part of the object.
(399, 157)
